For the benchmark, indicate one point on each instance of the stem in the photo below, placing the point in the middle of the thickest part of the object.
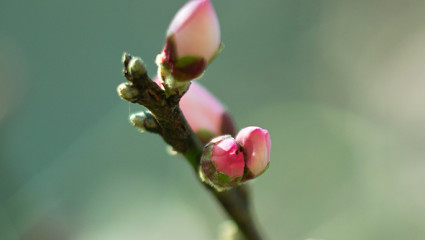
(174, 129)
(233, 202)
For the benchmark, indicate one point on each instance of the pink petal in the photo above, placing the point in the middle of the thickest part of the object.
(196, 30)
(256, 144)
(227, 158)
(202, 110)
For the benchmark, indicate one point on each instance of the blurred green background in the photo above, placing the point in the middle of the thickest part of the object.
(339, 84)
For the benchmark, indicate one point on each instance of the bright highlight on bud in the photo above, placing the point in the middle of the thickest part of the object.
(256, 144)
(127, 92)
(193, 40)
(144, 121)
(205, 113)
(138, 121)
(222, 163)
(136, 67)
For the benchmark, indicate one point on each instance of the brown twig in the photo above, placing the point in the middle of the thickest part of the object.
(174, 129)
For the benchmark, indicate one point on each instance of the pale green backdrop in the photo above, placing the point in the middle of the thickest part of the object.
(339, 84)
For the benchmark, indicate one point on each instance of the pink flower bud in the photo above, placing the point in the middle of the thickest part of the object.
(205, 113)
(256, 145)
(193, 40)
(222, 162)
(196, 30)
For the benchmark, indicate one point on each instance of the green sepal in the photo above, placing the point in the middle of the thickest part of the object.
(205, 136)
(220, 48)
(186, 61)
(223, 178)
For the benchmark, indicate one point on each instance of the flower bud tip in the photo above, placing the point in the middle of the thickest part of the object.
(196, 30)
(127, 92)
(125, 59)
(256, 145)
(193, 40)
(138, 121)
(136, 67)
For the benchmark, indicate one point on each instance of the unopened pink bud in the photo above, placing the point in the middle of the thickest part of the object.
(256, 145)
(205, 113)
(196, 30)
(222, 162)
(193, 40)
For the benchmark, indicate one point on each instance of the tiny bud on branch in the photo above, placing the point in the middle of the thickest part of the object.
(144, 121)
(128, 92)
(136, 67)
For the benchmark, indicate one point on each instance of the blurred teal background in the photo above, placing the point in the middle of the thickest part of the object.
(339, 84)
